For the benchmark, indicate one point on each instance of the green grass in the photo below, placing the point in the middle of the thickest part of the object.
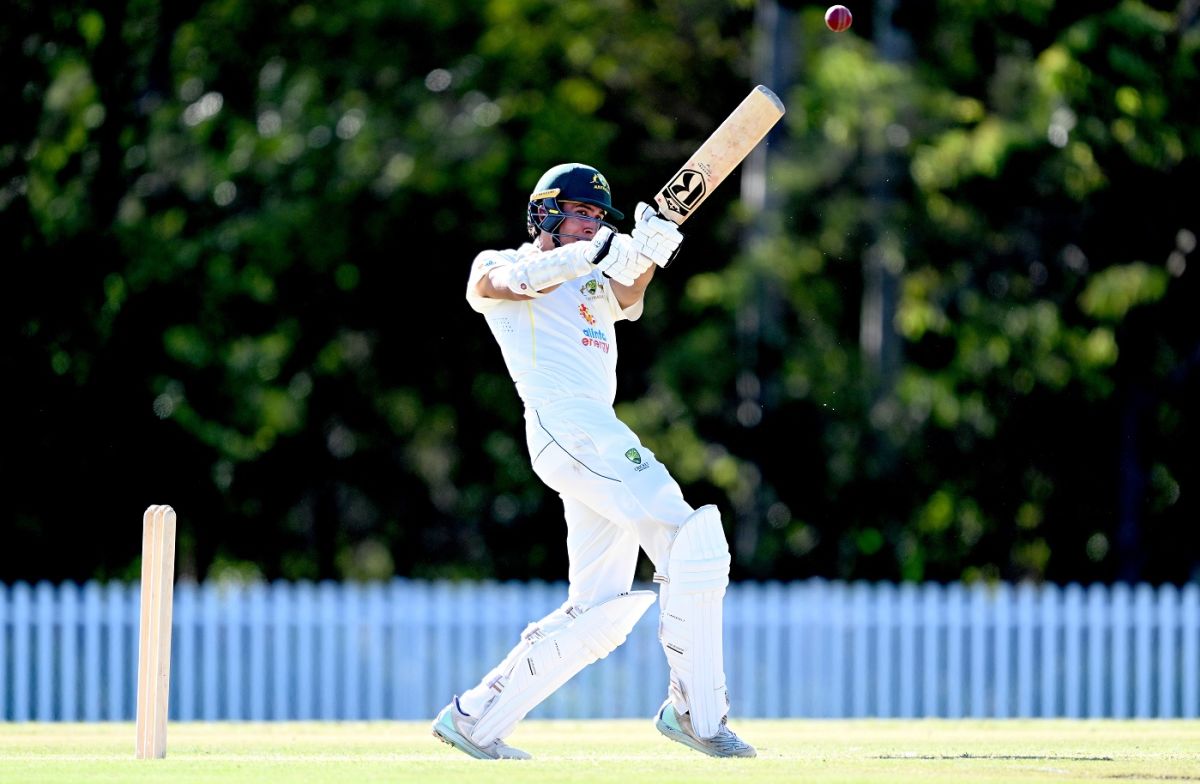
(622, 752)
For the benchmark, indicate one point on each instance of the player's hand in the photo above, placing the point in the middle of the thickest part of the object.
(618, 256)
(658, 237)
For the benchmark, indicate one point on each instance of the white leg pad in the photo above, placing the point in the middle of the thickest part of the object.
(551, 659)
(691, 623)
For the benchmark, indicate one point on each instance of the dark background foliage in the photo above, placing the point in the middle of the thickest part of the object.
(941, 326)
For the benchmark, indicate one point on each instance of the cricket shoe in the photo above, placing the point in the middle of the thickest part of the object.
(454, 727)
(678, 728)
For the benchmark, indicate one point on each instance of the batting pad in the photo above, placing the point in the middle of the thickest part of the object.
(553, 659)
(690, 626)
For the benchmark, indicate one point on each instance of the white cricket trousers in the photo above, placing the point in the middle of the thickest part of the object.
(616, 497)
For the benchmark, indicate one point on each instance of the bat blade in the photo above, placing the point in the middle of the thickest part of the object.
(720, 154)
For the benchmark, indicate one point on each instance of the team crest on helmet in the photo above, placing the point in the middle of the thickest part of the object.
(600, 184)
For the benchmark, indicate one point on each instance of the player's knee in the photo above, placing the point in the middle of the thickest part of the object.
(699, 557)
(627, 608)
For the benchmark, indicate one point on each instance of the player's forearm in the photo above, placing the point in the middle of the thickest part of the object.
(535, 274)
(629, 295)
(486, 288)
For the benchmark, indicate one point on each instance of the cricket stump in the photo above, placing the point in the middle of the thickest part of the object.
(154, 639)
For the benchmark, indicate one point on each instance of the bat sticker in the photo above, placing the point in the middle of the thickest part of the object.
(684, 191)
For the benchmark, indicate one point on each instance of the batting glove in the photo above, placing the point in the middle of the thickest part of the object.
(658, 238)
(617, 255)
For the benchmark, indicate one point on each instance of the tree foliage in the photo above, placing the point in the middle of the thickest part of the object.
(958, 342)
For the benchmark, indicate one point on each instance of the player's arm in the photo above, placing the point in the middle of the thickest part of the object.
(628, 295)
(496, 276)
(486, 288)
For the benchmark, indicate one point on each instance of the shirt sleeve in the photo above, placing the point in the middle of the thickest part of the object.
(631, 313)
(484, 263)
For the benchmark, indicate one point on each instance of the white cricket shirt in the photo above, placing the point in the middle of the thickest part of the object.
(558, 346)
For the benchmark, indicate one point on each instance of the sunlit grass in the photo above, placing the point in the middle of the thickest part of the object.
(622, 752)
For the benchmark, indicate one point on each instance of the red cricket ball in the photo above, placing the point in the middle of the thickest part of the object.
(838, 18)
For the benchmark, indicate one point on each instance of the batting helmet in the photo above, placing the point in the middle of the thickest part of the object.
(567, 182)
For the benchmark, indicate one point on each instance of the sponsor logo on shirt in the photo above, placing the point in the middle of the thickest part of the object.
(595, 338)
(635, 457)
(592, 289)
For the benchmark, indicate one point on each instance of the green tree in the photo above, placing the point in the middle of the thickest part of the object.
(1036, 223)
(958, 343)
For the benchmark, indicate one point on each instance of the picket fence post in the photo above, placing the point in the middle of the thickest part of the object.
(813, 648)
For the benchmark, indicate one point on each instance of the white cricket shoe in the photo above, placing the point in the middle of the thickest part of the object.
(454, 727)
(678, 728)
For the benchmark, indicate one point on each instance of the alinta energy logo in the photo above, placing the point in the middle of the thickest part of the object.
(592, 337)
(635, 457)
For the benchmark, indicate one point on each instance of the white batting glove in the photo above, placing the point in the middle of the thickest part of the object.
(617, 255)
(658, 238)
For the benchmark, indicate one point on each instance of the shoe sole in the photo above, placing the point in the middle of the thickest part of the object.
(687, 740)
(452, 738)
(683, 737)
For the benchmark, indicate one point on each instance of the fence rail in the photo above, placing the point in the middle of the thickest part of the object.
(399, 650)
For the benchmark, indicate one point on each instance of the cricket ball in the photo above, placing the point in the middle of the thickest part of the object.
(838, 18)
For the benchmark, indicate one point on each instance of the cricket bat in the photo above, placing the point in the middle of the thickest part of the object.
(720, 154)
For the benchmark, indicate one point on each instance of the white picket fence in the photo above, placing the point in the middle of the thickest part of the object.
(399, 650)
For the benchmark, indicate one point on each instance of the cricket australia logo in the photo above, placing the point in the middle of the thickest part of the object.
(635, 457)
(685, 191)
(586, 314)
(591, 289)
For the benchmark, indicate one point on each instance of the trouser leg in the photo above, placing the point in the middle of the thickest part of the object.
(602, 555)
(602, 558)
(597, 460)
